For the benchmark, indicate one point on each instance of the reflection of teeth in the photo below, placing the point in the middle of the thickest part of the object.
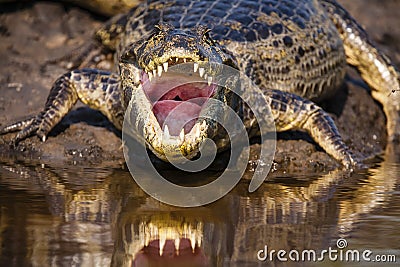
(166, 132)
(165, 65)
(199, 237)
(163, 239)
(190, 232)
(201, 72)
(159, 69)
(195, 67)
(209, 80)
(182, 135)
(193, 241)
(199, 241)
(177, 242)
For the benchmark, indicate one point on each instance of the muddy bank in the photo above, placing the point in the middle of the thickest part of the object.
(34, 33)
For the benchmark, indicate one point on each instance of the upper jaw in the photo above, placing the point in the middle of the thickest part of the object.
(156, 69)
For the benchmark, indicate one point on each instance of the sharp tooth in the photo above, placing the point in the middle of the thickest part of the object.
(199, 241)
(147, 240)
(44, 138)
(201, 72)
(177, 242)
(210, 79)
(193, 242)
(197, 130)
(205, 76)
(166, 132)
(137, 78)
(184, 60)
(165, 65)
(162, 244)
(182, 135)
(195, 67)
(159, 69)
(154, 73)
(176, 60)
(150, 76)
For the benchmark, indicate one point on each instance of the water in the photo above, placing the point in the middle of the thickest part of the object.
(75, 216)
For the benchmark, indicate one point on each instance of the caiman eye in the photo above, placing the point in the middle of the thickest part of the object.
(207, 38)
(163, 26)
(160, 29)
(157, 28)
(204, 32)
(128, 56)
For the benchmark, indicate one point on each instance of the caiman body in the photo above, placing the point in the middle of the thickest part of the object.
(295, 51)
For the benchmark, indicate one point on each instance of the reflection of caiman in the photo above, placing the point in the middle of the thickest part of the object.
(293, 50)
(111, 211)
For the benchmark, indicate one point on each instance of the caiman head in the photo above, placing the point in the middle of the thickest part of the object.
(167, 80)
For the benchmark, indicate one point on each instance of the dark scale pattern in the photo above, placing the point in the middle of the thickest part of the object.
(277, 32)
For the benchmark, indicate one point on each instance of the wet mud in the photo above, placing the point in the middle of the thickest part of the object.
(34, 33)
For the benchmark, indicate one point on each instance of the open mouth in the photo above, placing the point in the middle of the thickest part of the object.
(177, 95)
(170, 255)
(170, 245)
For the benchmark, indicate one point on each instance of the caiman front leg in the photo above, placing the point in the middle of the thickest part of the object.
(98, 89)
(292, 112)
(375, 68)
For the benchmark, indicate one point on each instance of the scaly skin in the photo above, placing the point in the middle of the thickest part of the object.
(375, 68)
(293, 50)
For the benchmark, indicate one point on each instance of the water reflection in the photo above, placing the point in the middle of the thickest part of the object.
(56, 216)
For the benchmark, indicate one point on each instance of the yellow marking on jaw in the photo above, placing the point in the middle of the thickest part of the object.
(293, 27)
(160, 6)
(270, 20)
(234, 25)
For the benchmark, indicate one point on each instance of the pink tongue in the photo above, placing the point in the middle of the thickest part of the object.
(179, 113)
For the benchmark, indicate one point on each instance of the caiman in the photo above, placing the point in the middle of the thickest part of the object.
(295, 51)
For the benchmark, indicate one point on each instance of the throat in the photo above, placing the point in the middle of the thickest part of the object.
(177, 98)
